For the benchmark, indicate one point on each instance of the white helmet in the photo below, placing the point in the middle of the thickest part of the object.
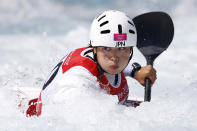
(113, 29)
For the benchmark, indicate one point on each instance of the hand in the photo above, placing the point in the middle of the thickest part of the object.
(146, 72)
(132, 103)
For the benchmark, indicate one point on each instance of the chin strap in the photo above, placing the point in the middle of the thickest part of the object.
(131, 54)
(100, 69)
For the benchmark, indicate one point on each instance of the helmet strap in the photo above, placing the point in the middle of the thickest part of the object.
(90, 45)
(100, 69)
(131, 54)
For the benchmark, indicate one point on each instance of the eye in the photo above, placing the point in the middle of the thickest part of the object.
(107, 48)
(121, 48)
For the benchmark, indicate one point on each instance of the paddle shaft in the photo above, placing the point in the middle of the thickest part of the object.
(148, 85)
(147, 93)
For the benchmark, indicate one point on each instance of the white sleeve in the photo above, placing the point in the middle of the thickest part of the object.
(76, 77)
(127, 71)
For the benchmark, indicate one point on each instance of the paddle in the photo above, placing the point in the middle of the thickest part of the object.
(155, 32)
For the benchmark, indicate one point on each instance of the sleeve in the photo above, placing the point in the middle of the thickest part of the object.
(76, 77)
(132, 69)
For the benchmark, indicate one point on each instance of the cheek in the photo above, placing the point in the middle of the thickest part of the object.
(125, 56)
(102, 58)
(106, 57)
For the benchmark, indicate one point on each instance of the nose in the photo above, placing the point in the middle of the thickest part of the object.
(115, 59)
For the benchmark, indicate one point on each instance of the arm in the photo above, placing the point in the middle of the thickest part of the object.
(59, 87)
(140, 73)
(75, 78)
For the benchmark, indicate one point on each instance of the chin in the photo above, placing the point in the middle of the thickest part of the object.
(113, 72)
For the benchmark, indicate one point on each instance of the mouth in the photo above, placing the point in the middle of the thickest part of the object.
(114, 67)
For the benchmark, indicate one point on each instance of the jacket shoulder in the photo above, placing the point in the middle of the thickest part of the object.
(80, 57)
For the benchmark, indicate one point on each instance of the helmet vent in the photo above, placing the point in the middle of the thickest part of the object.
(131, 31)
(120, 29)
(101, 18)
(102, 24)
(130, 23)
(105, 31)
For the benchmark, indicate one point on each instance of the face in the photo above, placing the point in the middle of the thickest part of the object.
(113, 59)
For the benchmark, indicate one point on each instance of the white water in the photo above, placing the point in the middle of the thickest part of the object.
(26, 58)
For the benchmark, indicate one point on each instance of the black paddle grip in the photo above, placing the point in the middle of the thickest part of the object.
(147, 94)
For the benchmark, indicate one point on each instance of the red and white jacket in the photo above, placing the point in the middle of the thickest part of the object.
(81, 62)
